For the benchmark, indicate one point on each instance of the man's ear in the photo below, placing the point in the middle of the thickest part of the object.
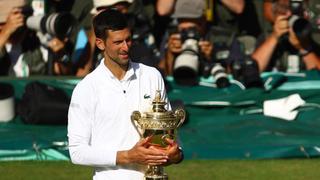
(100, 44)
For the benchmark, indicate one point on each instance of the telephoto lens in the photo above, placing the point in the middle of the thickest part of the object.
(187, 63)
(297, 7)
(186, 68)
(59, 25)
(300, 25)
(302, 28)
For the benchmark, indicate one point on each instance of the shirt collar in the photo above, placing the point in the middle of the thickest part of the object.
(129, 74)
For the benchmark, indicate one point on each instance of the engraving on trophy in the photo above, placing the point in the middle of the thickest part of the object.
(159, 125)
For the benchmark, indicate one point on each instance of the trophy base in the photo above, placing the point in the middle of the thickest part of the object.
(156, 177)
(155, 173)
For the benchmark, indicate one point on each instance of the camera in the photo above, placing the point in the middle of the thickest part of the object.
(218, 72)
(247, 72)
(243, 68)
(221, 53)
(217, 69)
(187, 63)
(59, 25)
(300, 25)
(297, 7)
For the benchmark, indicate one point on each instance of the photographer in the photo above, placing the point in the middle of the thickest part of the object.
(290, 46)
(22, 54)
(17, 43)
(68, 25)
(189, 15)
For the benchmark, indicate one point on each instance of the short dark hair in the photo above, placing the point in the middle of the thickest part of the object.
(109, 19)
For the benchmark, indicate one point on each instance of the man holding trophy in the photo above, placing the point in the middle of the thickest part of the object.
(105, 128)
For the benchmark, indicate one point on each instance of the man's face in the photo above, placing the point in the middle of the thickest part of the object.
(190, 23)
(123, 7)
(117, 46)
(281, 7)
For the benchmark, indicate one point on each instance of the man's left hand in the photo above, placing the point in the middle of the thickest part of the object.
(174, 153)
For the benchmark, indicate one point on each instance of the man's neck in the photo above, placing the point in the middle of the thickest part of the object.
(119, 71)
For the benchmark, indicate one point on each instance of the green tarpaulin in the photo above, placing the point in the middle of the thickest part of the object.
(221, 123)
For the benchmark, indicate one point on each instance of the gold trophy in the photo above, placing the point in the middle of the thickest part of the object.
(159, 125)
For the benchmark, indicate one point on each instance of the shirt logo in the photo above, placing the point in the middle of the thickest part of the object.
(146, 96)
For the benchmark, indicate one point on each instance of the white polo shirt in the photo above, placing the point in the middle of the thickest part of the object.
(99, 122)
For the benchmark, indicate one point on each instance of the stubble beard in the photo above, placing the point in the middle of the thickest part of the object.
(122, 63)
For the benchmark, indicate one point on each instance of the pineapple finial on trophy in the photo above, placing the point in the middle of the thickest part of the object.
(157, 103)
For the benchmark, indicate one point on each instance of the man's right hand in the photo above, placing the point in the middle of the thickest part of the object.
(281, 25)
(174, 44)
(15, 20)
(142, 153)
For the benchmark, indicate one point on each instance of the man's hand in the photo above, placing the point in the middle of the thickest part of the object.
(206, 49)
(174, 153)
(15, 20)
(281, 25)
(172, 150)
(142, 153)
(174, 44)
(56, 45)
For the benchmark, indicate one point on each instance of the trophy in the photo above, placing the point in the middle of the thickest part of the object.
(159, 125)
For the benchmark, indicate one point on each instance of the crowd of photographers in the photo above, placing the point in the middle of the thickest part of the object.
(41, 37)
(185, 39)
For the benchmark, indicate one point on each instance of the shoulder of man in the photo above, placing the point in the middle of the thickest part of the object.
(143, 69)
(90, 79)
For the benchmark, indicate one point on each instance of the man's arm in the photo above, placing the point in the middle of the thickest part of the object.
(264, 52)
(165, 7)
(88, 57)
(82, 153)
(142, 153)
(80, 118)
(173, 48)
(235, 6)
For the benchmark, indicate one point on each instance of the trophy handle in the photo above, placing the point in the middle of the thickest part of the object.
(135, 117)
(181, 114)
